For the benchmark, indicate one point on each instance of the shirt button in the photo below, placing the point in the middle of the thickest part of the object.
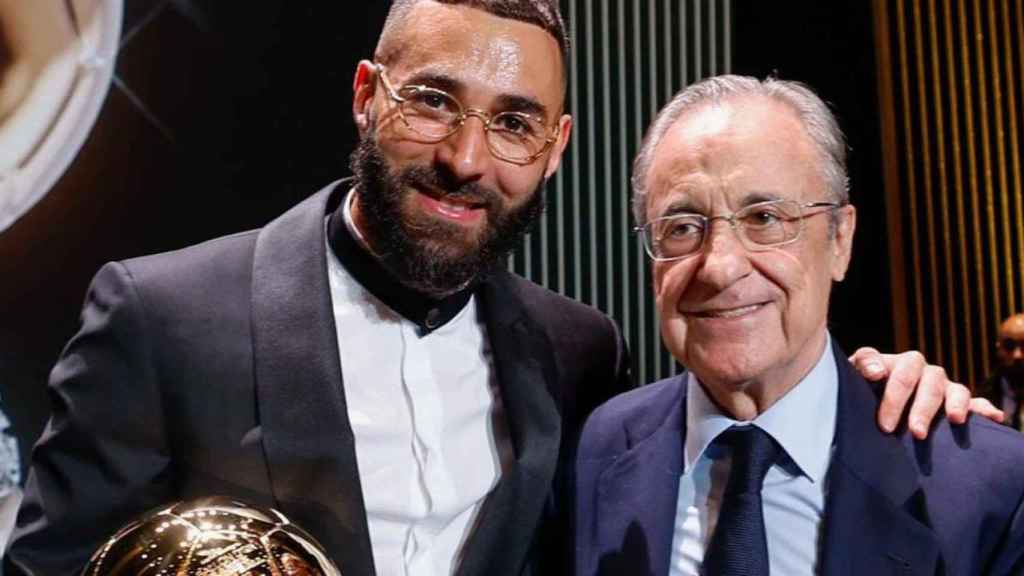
(433, 319)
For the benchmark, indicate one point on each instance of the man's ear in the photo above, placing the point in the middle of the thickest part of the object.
(842, 244)
(555, 158)
(363, 88)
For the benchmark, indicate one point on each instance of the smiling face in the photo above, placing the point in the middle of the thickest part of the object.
(440, 212)
(749, 324)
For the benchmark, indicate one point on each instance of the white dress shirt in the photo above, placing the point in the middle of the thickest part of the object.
(802, 422)
(427, 418)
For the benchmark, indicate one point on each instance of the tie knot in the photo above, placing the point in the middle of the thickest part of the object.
(753, 453)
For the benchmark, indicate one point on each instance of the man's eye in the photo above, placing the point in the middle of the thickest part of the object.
(432, 101)
(514, 123)
(681, 229)
(764, 217)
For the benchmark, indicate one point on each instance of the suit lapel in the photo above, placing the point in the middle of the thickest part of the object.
(306, 435)
(525, 369)
(874, 513)
(637, 497)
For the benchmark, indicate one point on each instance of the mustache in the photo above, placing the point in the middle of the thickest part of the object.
(437, 179)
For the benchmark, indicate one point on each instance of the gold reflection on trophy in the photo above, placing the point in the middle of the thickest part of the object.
(211, 537)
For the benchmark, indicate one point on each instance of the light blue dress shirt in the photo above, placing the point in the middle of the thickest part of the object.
(803, 422)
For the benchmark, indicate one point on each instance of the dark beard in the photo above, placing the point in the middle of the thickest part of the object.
(430, 255)
(1014, 375)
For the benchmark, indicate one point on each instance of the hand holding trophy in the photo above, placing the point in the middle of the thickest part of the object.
(214, 536)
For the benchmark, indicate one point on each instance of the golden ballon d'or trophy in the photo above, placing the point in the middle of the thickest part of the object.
(214, 536)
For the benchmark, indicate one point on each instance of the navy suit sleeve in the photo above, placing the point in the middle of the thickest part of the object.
(601, 439)
(1009, 557)
(103, 458)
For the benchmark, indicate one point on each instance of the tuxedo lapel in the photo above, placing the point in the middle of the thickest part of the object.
(306, 435)
(637, 496)
(525, 369)
(874, 516)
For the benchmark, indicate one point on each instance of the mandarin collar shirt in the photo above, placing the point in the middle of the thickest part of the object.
(802, 422)
(424, 406)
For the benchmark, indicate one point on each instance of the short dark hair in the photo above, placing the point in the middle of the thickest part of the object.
(543, 13)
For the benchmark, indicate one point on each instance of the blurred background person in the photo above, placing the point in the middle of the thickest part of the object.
(1005, 387)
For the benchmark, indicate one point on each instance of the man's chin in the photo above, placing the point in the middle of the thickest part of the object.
(446, 240)
(447, 250)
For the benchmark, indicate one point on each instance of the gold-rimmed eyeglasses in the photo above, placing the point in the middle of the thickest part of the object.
(433, 115)
(759, 226)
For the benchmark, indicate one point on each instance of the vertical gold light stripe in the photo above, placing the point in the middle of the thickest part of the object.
(1001, 160)
(972, 174)
(890, 174)
(1020, 190)
(1014, 90)
(954, 328)
(986, 154)
(929, 193)
(966, 286)
(911, 177)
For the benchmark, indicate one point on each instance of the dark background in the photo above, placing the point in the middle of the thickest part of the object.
(225, 113)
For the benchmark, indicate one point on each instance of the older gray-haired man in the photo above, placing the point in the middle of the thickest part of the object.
(758, 459)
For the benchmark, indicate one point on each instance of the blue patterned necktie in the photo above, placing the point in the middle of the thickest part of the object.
(738, 546)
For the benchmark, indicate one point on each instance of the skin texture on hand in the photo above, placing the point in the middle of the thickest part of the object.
(908, 374)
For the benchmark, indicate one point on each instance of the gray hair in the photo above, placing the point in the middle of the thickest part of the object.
(819, 122)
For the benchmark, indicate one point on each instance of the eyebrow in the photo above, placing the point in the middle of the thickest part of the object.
(679, 207)
(506, 102)
(433, 80)
(523, 104)
(758, 197)
(688, 206)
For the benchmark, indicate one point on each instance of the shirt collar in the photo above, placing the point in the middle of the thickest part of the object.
(350, 247)
(803, 421)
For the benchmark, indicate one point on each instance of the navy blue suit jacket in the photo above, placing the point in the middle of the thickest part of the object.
(951, 504)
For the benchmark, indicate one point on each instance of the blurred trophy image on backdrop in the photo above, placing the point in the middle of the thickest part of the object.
(56, 64)
(214, 536)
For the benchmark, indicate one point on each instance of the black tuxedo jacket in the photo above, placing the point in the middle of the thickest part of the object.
(215, 370)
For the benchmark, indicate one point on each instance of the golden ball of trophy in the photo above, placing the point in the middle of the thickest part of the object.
(211, 537)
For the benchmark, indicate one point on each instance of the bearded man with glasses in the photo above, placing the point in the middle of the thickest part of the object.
(365, 363)
(757, 460)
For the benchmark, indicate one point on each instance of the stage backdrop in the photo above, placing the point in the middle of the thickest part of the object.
(951, 78)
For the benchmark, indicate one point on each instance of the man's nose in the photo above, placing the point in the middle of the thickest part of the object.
(725, 259)
(465, 152)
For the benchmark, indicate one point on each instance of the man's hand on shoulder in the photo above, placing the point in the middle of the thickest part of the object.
(909, 372)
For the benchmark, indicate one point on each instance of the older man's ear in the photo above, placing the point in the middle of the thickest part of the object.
(842, 243)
